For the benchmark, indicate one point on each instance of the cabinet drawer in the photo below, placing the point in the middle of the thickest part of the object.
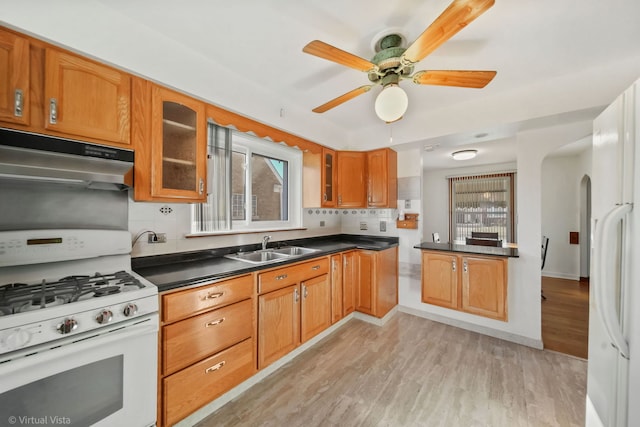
(283, 277)
(192, 339)
(197, 385)
(178, 305)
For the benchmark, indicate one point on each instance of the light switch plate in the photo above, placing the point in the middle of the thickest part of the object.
(383, 225)
(407, 204)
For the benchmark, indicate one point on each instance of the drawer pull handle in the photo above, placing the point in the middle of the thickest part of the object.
(281, 277)
(315, 267)
(213, 296)
(215, 322)
(215, 367)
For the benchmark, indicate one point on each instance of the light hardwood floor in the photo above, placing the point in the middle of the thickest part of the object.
(565, 316)
(414, 372)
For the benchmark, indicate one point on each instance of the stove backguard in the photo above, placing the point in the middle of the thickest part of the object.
(38, 205)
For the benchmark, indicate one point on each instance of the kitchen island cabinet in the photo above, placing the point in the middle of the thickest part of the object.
(475, 284)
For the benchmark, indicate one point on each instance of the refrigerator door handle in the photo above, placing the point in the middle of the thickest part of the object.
(605, 302)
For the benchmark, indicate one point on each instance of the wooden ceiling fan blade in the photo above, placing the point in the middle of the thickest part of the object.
(339, 56)
(473, 79)
(342, 98)
(458, 15)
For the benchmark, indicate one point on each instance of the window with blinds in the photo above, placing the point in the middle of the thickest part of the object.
(482, 204)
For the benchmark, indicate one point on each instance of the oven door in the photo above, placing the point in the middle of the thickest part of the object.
(103, 379)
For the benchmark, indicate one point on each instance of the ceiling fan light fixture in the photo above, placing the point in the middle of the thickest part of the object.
(391, 103)
(464, 154)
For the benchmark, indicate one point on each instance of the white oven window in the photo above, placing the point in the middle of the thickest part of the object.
(80, 396)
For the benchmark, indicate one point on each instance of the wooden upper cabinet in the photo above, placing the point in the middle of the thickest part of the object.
(14, 78)
(351, 179)
(382, 178)
(329, 178)
(178, 146)
(86, 99)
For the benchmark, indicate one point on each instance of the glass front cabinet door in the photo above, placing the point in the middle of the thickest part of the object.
(329, 172)
(179, 146)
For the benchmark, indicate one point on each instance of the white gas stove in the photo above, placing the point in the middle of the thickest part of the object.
(57, 283)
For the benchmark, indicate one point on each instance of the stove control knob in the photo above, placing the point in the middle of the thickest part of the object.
(67, 325)
(130, 310)
(105, 316)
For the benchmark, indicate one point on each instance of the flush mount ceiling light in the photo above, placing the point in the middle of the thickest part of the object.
(391, 103)
(464, 154)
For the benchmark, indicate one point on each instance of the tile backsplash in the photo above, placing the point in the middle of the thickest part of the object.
(174, 220)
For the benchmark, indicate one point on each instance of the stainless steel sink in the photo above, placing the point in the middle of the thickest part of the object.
(295, 251)
(271, 255)
(258, 257)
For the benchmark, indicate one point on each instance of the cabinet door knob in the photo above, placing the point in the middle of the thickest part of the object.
(464, 266)
(201, 186)
(18, 102)
(305, 293)
(296, 296)
(325, 197)
(453, 265)
(53, 111)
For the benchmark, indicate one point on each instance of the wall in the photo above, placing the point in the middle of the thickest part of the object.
(524, 324)
(174, 220)
(436, 195)
(561, 212)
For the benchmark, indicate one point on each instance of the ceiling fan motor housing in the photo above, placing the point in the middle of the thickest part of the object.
(388, 58)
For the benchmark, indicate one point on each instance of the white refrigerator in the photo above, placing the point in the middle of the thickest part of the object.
(613, 380)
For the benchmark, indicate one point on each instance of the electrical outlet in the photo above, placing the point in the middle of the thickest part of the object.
(321, 223)
(363, 226)
(157, 238)
(407, 204)
(383, 225)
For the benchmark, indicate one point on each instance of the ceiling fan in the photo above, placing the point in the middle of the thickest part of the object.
(393, 63)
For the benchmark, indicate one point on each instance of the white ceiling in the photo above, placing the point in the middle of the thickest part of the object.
(557, 60)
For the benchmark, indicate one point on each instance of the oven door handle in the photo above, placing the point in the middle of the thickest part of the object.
(81, 342)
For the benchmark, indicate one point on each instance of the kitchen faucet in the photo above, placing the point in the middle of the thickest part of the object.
(265, 241)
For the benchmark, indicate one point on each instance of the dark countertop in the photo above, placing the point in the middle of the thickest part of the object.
(469, 249)
(178, 270)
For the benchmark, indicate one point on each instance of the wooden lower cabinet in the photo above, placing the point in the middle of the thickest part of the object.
(469, 283)
(349, 281)
(484, 286)
(296, 312)
(193, 387)
(377, 284)
(440, 279)
(278, 324)
(336, 288)
(207, 345)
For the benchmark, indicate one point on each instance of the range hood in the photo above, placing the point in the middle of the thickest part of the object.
(35, 157)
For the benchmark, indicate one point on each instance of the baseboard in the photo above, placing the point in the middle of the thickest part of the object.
(375, 320)
(560, 275)
(507, 336)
